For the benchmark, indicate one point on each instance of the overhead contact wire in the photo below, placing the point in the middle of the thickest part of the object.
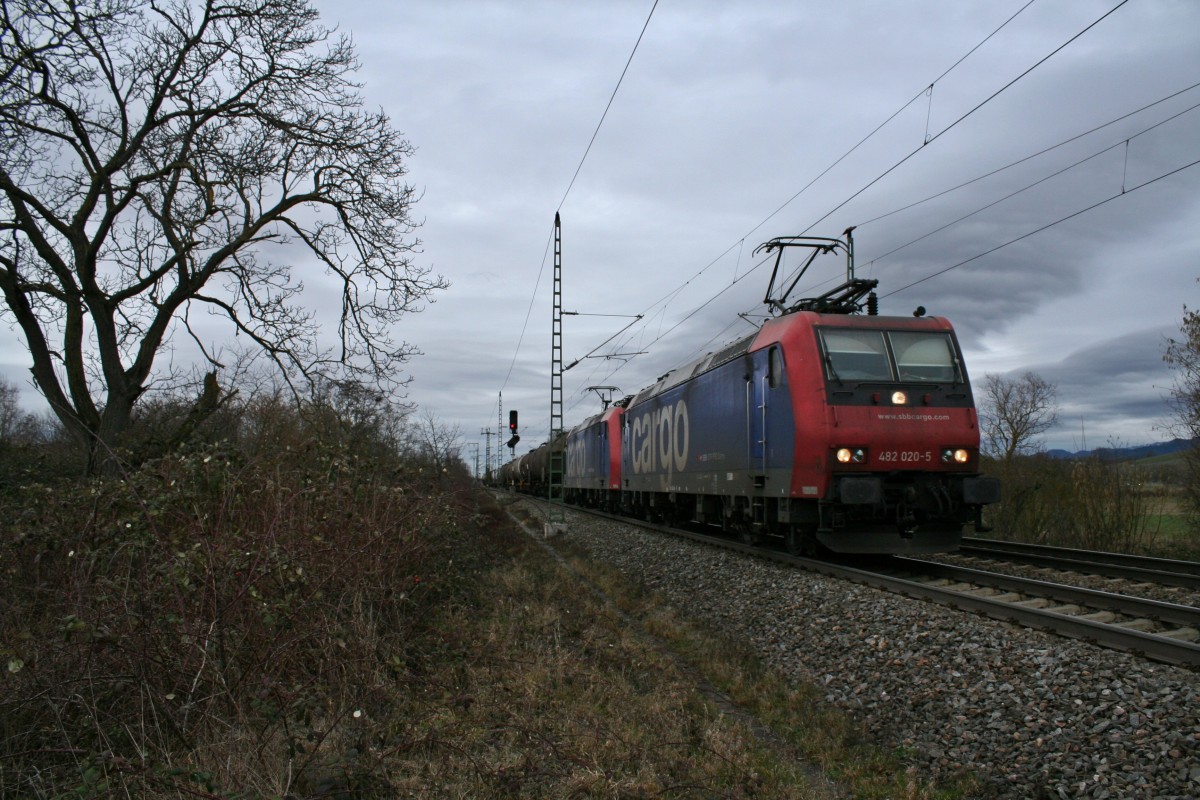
(1032, 156)
(884, 124)
(822, 174)
(956, 122)
(1124, 192)
(1123, 143)
(587, 150)
(616, 88)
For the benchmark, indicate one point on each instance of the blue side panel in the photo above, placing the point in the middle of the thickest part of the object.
(779, 428)
(595, 455)
(727, 431)
(587, 458)
(692, 437)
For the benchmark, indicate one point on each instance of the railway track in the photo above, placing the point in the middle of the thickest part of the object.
(1162, 631)
(1160, 571)
(1165, 632)
(1159, 631)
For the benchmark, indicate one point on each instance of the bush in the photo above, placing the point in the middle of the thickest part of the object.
(1090, 503)
(220, 622)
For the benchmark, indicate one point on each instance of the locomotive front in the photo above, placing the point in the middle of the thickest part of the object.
(899, 470)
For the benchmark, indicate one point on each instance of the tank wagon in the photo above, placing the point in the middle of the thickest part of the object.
(825, 429)
(528, 473)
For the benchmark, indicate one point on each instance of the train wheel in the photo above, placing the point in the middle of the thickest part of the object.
(801, 542)
(793, 541)
(747, 533)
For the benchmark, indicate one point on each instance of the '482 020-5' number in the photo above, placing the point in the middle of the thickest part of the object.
(906, 456)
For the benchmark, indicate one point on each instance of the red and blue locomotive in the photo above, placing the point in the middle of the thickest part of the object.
(827, 428)
(592, 467)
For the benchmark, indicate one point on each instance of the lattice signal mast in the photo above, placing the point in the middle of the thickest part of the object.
(556, 384)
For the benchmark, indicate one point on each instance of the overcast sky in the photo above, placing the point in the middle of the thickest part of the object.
(727, 131)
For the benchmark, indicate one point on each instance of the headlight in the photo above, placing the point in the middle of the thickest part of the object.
(851, 455)
(955, 456)
(899, 399)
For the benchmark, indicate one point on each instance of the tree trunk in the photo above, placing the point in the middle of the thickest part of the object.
(105, 452)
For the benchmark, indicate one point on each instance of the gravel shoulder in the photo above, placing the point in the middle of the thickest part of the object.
(1033, 715)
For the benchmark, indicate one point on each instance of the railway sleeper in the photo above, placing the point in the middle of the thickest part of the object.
(1070, 609)
(1141, 624)
(1183, 634)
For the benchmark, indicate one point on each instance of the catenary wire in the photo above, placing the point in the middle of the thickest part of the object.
(596, 132)
(1109, 148)
(883, 124)
(646, 313)
(538, 282)
(958, 121)
(1123, 143)
(1032, 156)
(928, 140)
(675, 292)
(1124, 191)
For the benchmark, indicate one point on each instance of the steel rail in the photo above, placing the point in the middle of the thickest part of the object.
(1095, 599)
(1148, 645)
(1162, 571)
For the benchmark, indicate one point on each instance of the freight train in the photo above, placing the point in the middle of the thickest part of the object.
(826, 429)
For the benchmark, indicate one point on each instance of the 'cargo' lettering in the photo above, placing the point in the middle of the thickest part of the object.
(659, 440)
(576, 457)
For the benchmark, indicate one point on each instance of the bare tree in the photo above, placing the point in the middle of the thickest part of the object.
(164, 159)
(1015, 412)
(436, 443)
(16, 425)
(1183, 355)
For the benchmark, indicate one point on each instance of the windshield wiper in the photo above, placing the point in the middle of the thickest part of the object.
(833, 370)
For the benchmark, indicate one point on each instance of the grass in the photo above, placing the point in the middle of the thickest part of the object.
(1175, 533)
(726, 725)
(1094, 504)
(544, 690)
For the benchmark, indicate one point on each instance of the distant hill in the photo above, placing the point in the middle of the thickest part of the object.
(1129, 453)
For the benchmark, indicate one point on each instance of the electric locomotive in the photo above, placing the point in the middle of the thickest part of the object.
(826, 429)
(592, 474)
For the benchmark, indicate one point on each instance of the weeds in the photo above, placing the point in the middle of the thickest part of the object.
(1090, 503)
(221, 625)
(796, 736)
(217, 623)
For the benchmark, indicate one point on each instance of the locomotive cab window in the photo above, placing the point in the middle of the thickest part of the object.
(922, 356)
(855, 355)
(776, 368)
(890, 356)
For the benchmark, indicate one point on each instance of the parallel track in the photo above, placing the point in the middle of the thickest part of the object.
(1161, 571)
(1158, 631)
(1118, 612)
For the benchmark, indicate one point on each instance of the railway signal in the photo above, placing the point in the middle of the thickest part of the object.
(512, 428)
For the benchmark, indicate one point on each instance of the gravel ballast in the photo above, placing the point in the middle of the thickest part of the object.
(1033, 715)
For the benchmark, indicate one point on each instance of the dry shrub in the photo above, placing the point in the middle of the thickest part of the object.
(217, 623)
(1089, 503)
